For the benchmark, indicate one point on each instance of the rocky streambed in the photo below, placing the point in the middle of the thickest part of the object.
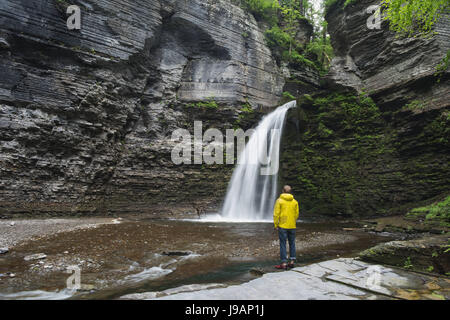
(120, 256)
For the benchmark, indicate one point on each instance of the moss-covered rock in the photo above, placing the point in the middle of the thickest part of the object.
(429, 254)
(344, 155)
(436, 213)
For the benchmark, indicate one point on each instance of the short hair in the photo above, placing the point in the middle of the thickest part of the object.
(287, 189)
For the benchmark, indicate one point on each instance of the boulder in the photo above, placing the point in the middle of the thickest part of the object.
(427, 254)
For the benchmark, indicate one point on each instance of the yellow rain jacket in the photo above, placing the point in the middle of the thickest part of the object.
(285, 213)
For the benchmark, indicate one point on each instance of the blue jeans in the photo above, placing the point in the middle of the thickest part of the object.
(286, 234)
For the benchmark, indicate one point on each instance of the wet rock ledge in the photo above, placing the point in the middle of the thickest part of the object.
(340, 279)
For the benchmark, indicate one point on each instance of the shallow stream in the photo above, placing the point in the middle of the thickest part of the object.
(142, 255)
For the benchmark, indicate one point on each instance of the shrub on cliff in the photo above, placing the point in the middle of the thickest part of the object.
(414, 16)
(266, 10)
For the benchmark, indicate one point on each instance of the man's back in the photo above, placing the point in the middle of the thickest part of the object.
(285, 213)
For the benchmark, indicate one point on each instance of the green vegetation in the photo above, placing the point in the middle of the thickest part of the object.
(412, 17)
(406, 17)
(245, 113)
(415, 105)
(438, 131)
(324, 131)
(287, 96)
(442, 66)
(341, 135)
(448, 248)
(208, 104)
(247, 108)
(263, 9)
(408, 264)
(435, 213)
(438, 296)
(277, 38)
(284, 19)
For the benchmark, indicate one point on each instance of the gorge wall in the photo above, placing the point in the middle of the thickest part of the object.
(86, 116)
(377, 141)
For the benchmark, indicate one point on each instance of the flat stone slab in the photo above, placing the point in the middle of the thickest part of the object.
(340, 279)
(392, 282)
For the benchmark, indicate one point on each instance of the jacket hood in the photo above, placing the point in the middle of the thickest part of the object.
(287, 197)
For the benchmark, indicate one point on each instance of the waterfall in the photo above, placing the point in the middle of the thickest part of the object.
(253, 188)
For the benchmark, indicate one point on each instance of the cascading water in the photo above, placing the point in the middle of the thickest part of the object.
(253, 187)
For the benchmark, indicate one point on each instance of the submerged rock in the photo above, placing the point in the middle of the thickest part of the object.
(177, 253)
(257, 271)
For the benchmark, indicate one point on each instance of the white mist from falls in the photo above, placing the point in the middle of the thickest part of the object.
(253, 188)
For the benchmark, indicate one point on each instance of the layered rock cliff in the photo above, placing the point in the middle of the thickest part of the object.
(377, 141)
(392, 68)
(86, 116)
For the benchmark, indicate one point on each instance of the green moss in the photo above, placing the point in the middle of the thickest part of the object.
(208, 104)
(442, 67)
(247, 108)
(438, 296)
(288, 96)
(324, 132)
(350, 158)
(415, 105)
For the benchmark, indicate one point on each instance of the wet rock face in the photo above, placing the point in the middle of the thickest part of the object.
(348, 156)
(344, 155)
(394, 70)
(86, 116)
(339, 279)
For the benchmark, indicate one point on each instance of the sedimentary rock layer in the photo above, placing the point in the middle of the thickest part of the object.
(86, 116)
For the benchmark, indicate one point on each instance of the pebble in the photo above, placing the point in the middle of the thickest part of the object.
(36, 256)
(12, 224)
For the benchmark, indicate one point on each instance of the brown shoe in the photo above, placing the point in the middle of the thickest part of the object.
(291, 265)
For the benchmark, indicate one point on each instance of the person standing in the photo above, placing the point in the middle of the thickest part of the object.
(285, 215)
